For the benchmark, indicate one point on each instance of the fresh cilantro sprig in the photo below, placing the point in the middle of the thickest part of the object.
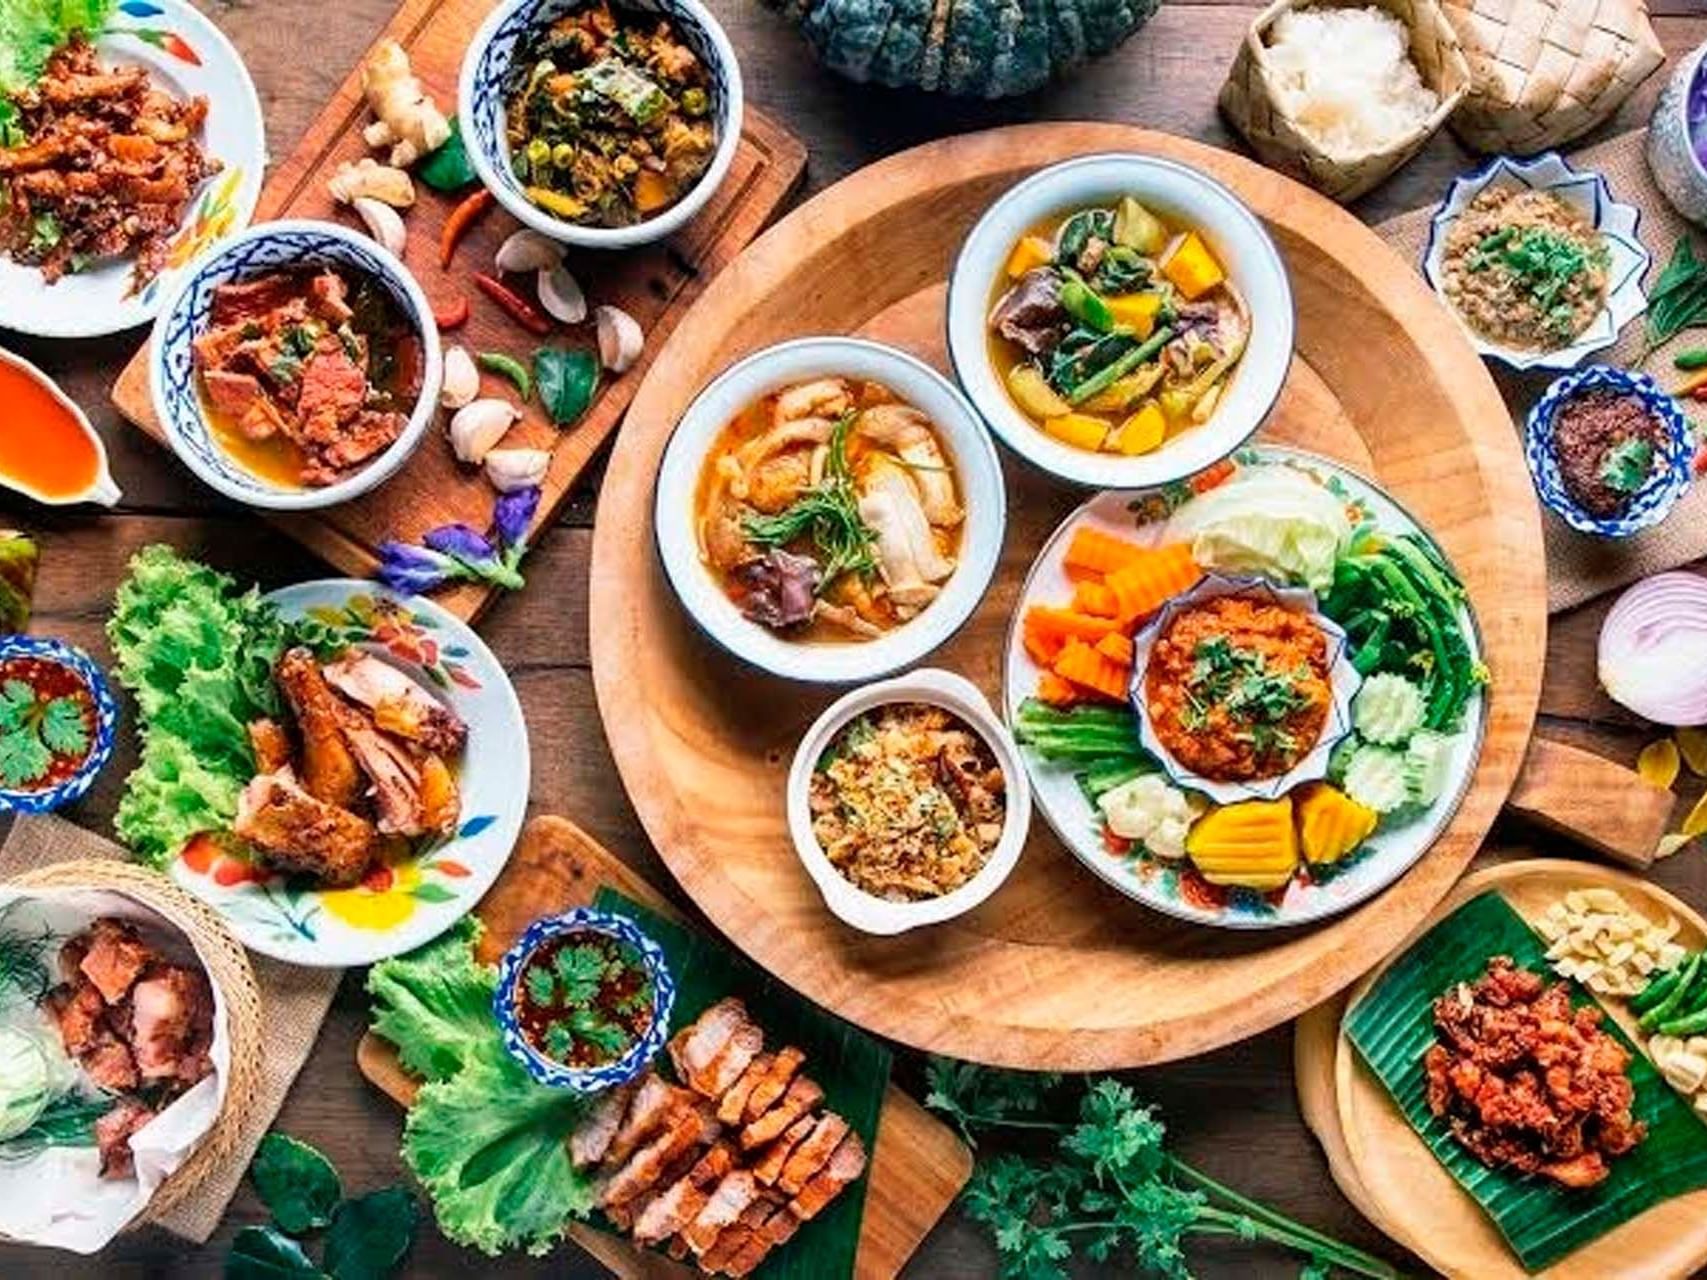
(1111, 1188)
(34, 729)
(1627, 465)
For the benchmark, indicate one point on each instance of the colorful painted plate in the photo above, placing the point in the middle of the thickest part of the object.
(398, 907)
(187, 55)
(1173, 887)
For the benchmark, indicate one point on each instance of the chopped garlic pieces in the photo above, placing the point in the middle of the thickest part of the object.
(1598, 939)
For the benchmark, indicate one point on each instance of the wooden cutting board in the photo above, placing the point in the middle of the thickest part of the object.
(917, 1167)
(655, 284)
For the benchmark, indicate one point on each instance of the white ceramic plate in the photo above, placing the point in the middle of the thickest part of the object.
(396, 908)
(186, 55)
(1589, 194)
(1169, 886)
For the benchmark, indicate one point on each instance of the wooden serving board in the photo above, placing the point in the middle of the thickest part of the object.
(655, 284)
(918, 1165)
(1056, 970)
(1389, 1173)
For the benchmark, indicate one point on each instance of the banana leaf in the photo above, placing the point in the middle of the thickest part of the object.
(1392, 1027)
(851, 1068)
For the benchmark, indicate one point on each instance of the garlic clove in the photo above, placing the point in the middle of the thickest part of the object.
(527, 250)
(461, 381)
(478, 426)
(383, 223)
(620, 339)
(512, 469)
(560, 295)
(367, 177)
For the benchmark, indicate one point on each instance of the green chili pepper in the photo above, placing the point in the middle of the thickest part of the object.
(1655, 991)
(1667, 1009)
(507, 367)
(1693, 359)
(1081, 302)
(1102, 379)
(1691, 1025)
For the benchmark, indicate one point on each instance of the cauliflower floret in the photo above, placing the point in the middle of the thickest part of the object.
(1151, 812)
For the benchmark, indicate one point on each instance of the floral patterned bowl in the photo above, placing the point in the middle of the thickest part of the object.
(73, 788)
(1590, 195)
(1665, 484)
(1342, 679)
(407, 902)
(548, 1071)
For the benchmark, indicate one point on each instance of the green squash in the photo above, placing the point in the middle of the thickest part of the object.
(970, 48)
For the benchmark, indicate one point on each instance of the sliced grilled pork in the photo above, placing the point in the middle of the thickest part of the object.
(802, 1096)
(734, 1104)
(679, 1203)
(588, 1144)
(813, 1153)
(774, 1157)
(737, 1189)
(653, 1103)
(846, 1164)
(712, 1053)
(766, 1092)
(687, 1128)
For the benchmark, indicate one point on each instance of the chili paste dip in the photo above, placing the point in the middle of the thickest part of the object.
(1606, 445)
(584, 999)
(47, 723)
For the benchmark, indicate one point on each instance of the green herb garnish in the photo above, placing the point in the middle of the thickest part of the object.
(1544, 263)
(583, 970)
(1627, 465)
(1241, 682)
(1678, 300)
(829, 514)
(34, 729)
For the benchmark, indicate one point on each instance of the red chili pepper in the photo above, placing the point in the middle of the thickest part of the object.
(1701, 461)
(518, 308)
(452, 314)
(461, 219)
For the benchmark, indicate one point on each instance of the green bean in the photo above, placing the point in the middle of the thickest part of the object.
(1105, 377)
(1667, 1008)
(1658, 988)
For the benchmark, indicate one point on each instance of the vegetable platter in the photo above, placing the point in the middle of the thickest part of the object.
(1056, 970)
(918, 1165)
(1388, 1172)
(655, 284)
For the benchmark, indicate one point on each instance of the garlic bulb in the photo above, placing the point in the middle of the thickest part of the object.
(560, 295)
(462, 379)
(527, 250)
(620, 339)
(512, 469)
(478, 426)
(383, 223)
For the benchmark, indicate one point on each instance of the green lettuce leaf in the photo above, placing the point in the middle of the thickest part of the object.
(30, 30)
(435, 1003)
(489, 1145)
(170, 797)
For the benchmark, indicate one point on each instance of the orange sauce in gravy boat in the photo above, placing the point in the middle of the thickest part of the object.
(48, 450)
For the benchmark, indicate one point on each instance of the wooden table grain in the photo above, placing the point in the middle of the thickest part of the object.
(1233, 1111)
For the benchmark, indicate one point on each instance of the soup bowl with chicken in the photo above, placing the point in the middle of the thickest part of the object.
(830, 510)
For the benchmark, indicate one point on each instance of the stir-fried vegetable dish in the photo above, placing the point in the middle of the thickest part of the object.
(608, 116)
(1115, 330)
(828, 511)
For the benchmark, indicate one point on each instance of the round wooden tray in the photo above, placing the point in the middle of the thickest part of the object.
(1057, 970)
(1388, 1172)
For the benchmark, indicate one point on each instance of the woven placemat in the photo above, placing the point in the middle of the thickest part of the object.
(1580, 568)
(295, 1000)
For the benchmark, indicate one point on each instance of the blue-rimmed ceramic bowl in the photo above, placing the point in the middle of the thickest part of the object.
(274, 246)
(1672, 463)
(480, 104)
(1343, 679)
(106, 722)
(1590, 195)
(588, 1079)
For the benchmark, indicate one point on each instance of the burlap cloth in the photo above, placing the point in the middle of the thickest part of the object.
(1580, 567)
(294, 1000)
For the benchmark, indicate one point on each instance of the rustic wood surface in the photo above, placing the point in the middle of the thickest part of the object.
(918, 1164)
(1086, 979)
(1232, 1111)
(1380, 1163)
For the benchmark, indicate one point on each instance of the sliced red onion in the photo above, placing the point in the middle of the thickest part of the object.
(1653, 649)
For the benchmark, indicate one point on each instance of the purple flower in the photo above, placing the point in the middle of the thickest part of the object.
(456, 552)
(463, 544)
(513, 515)
(413, 570)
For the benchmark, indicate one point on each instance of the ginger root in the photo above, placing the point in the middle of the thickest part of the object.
(406, 118)
(367, 177)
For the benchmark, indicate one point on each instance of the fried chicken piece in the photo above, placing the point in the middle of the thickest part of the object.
(271, 745)
(295, 832)
(109, 1063)
(81, 1014)
(400, 706)
(329, 770)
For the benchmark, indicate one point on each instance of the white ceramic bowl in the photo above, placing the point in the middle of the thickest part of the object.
(977, 471)
(1588, 193)
(853, 905)
(480, 104)
(1238, 240)
(171, 368)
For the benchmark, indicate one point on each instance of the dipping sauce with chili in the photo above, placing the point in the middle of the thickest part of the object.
(47, 723)
(584, 999)
(1238, 689)
(1606, 445)
(44, 448)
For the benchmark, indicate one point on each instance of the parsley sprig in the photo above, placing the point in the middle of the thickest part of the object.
(1252, 693)
(572, 983)
(1626, 466)
(1112, 1186)
(34, 729)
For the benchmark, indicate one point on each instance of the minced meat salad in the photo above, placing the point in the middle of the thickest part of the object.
(1525, 269)
(1605, 445)
(908, 802)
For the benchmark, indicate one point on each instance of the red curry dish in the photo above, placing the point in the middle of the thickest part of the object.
(107, 166)
(307, 374)
(1238, 689)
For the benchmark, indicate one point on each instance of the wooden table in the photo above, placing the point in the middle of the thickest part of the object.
(1232, 1112)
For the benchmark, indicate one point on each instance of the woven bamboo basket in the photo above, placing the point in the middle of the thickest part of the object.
(1251, 106)
(227, 968)
(1544, 72)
